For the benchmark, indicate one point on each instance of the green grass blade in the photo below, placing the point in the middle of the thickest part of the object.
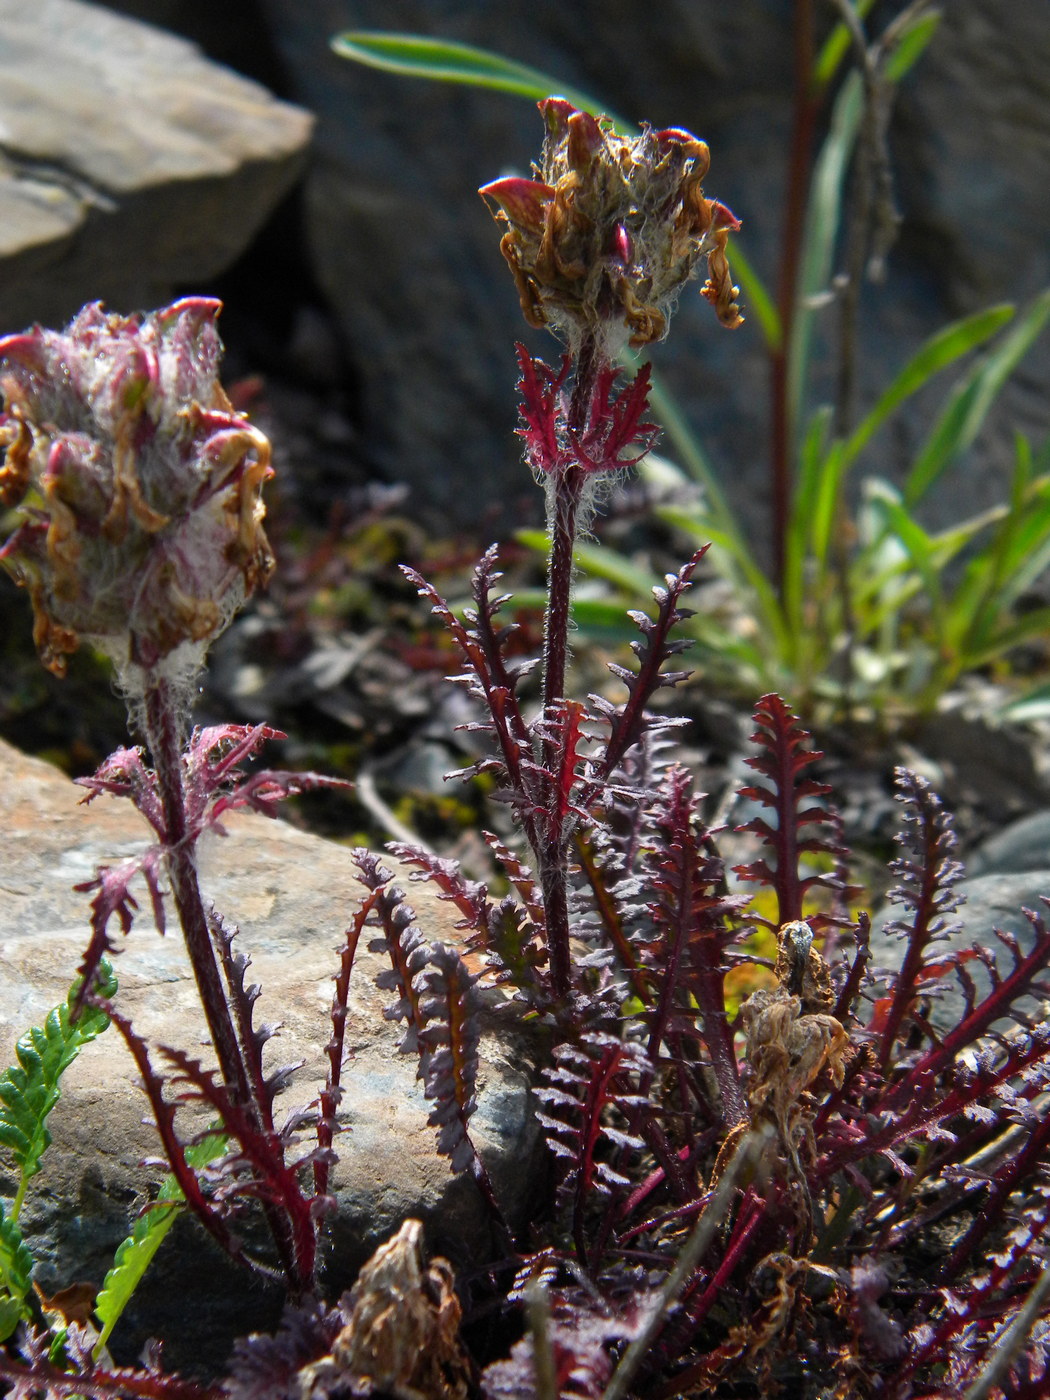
(823, 217)
(813, 474)
(755, 297)
(30, 1089)
(135, 1254)
(916, 542)
(971, 400)
(911, 45)
(445, 61)
(1031, 626)
(598, 561)
(940, 351)
(690, 453)
(835, 48)
(981, 598)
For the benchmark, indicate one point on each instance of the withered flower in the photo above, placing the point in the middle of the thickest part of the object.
(602, 241)
(136, 489)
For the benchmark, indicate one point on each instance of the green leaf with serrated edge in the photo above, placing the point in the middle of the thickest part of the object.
(30, 1089)
(134, 1255)
(11, 1314)
(16, 1262)
(971, 400)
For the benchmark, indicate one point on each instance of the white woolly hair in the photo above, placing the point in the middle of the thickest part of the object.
(180, 669)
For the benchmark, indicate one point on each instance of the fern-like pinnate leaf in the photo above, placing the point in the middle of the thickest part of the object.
(927, 874)
(628, 723)
(450, 1037)
(30, 1089)
(685, 951)
(580, 1093)
(783, 758)
(16, 1267)
(136, 1253)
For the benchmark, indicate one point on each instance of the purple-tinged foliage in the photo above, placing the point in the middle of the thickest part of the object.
(829, 1195)
(686, 945)
(613, 436)
(631, 722)
(40, 1376)
(578, 1342)
(213, 783)
(927, 873)
(782, 759)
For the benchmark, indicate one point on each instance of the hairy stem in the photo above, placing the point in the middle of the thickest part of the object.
(566, 489)
(164, 732)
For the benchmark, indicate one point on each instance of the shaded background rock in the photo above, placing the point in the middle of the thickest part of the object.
(293, 894)
(405, 258)
(129, 163)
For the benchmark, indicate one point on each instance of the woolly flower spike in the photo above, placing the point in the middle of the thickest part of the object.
(613, 227)
(137, 488)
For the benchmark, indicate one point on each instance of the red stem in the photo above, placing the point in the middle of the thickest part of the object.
(164, 733)
(567, 487)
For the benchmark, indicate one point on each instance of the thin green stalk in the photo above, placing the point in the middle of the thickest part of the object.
(805, 105)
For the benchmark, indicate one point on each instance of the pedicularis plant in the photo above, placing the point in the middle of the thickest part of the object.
(831, 1193)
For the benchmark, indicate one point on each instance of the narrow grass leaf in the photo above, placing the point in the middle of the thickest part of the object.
(823, 217)
(971, 400)
(940, 351)
(813, 481)
(835, 47)
(919, 545)
(911, 45)
(445, 61)
(755, 298)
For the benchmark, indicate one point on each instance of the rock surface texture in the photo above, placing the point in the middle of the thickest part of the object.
(130, 165)
(292, 895)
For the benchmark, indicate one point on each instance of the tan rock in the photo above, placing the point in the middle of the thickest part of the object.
(292, 894)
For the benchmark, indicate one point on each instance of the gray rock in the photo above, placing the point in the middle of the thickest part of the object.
(292, 895)
(129, 163)
(1022, 847)
(990, 902)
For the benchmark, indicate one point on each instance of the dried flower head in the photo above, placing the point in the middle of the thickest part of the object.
(603, 240)
(136, 488)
